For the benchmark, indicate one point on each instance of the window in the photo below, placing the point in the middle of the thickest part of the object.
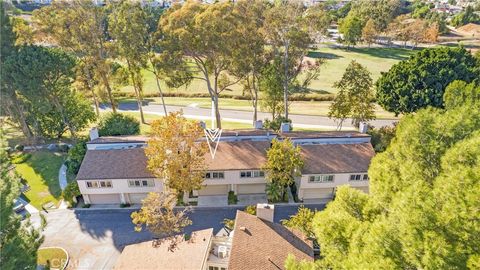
(250, 174)
(359, 177)
(321, 178)
(141, 183)
(99, 184)
(214, 175)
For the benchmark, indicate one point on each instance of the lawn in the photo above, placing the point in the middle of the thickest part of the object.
(375, 59)
(41, 173)
(56, 257)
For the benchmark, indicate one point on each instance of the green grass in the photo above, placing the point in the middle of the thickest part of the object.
(56, 257)
(41, 173)
(375, 60)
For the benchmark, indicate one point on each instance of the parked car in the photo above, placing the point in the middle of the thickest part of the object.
(18, 205)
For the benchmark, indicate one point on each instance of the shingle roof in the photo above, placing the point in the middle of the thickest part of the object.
(187, 255)
(114, 164)
(337, 158)
(265, 245)
(119, 139)
(238, 155)
(322, 134)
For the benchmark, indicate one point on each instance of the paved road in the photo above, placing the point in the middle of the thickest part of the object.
(300, 121)
(95, 238)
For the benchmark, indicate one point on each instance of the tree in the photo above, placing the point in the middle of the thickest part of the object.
(292, 264)
(18, 243)
(127, 25)
(271, 88)
(79, 27)
(423, 189)
(71, 191)
(43, 77)
(274, 192)
(175, 154)
(369, 33)
(381, 137)
(160, 218)
(465, 17)
(284, 163)
(302, 221)
(289, 34)
(351, 29)
(75, 156)
(420, 81)
(355, 96)
(115, 124)
(205, 36)
(459, 93)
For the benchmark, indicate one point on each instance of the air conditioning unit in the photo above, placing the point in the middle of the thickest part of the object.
(222, 252)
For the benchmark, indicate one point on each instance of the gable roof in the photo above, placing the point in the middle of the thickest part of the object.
(336, 158)
(114, 164)
(265, 245)
(239, 155)
(189, 254)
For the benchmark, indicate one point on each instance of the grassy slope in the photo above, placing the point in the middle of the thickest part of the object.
(375, 59)
(41, 173)
(56, 256)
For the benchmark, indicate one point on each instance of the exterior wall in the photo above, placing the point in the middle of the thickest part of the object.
(233, 179)
(119, 186)
(339, 179)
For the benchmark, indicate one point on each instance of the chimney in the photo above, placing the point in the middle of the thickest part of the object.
(203, 124)
(265, 211)
(94, 134)
(285, 127)
(258, 124)
(363, 127)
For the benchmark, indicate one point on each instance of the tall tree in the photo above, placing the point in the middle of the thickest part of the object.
(289, 33)
(79, 27)
(18, 243)
(205, 36)
(271, 89)
(174, 153)
(43, 77)
(160, 218)
(459, 93)
(369, 33)
(127, 25)
(420, 81)
(284, 163)
(351, 29)
(355, 96)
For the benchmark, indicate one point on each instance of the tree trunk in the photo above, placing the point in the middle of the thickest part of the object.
(217, 112)
(95, 100)
(109, 91)
(285, 81)
(19, 114)
(161, 93)
(139, 99)
(254, 101)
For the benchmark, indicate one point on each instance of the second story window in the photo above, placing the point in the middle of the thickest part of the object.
(359, 177)
(99, 184)
(141, 183)
(321, 178)
(214, 175)
(251, 174)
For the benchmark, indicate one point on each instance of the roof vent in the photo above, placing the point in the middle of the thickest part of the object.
(258, 124)
(222, 252)
(285, 127)
(243, 228)
(94, 133)
(363, 127)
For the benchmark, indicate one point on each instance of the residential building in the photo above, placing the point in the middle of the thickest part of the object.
(114, 169)
(255, 243)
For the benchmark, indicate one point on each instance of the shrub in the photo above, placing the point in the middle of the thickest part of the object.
(381, 137)
(232, 198)
(71, 191)
(63, 148)
(19, 147)
(114, 124)
(75, 156)
(21, 158)
(276, 124)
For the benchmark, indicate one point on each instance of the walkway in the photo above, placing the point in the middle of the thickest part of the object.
(62, 176)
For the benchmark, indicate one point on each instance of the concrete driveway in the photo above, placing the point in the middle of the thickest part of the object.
(251, 199)
(94, 238)
(213, 200)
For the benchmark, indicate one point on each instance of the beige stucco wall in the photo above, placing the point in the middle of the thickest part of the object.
(119, 186)
(233, 179)
(338, 180)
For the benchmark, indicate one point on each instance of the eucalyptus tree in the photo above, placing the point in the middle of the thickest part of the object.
(127, 28)
(79, 27)
(200, 42)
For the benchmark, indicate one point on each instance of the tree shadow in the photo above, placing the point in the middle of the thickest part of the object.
(387, 53)
(324, 55)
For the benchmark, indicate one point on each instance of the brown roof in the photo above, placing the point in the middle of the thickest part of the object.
(238, 155)
(247, 132)
(265, 245)
(114, 164)
(119, 139)
(187, 255)
(322, 134)
(337, 158)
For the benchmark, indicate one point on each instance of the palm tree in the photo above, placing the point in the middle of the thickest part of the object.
(274, 192)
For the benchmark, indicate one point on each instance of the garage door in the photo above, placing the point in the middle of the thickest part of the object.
(318, 193)
(104, 198)
(137, 197)
(214, 190)
(251, 189)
